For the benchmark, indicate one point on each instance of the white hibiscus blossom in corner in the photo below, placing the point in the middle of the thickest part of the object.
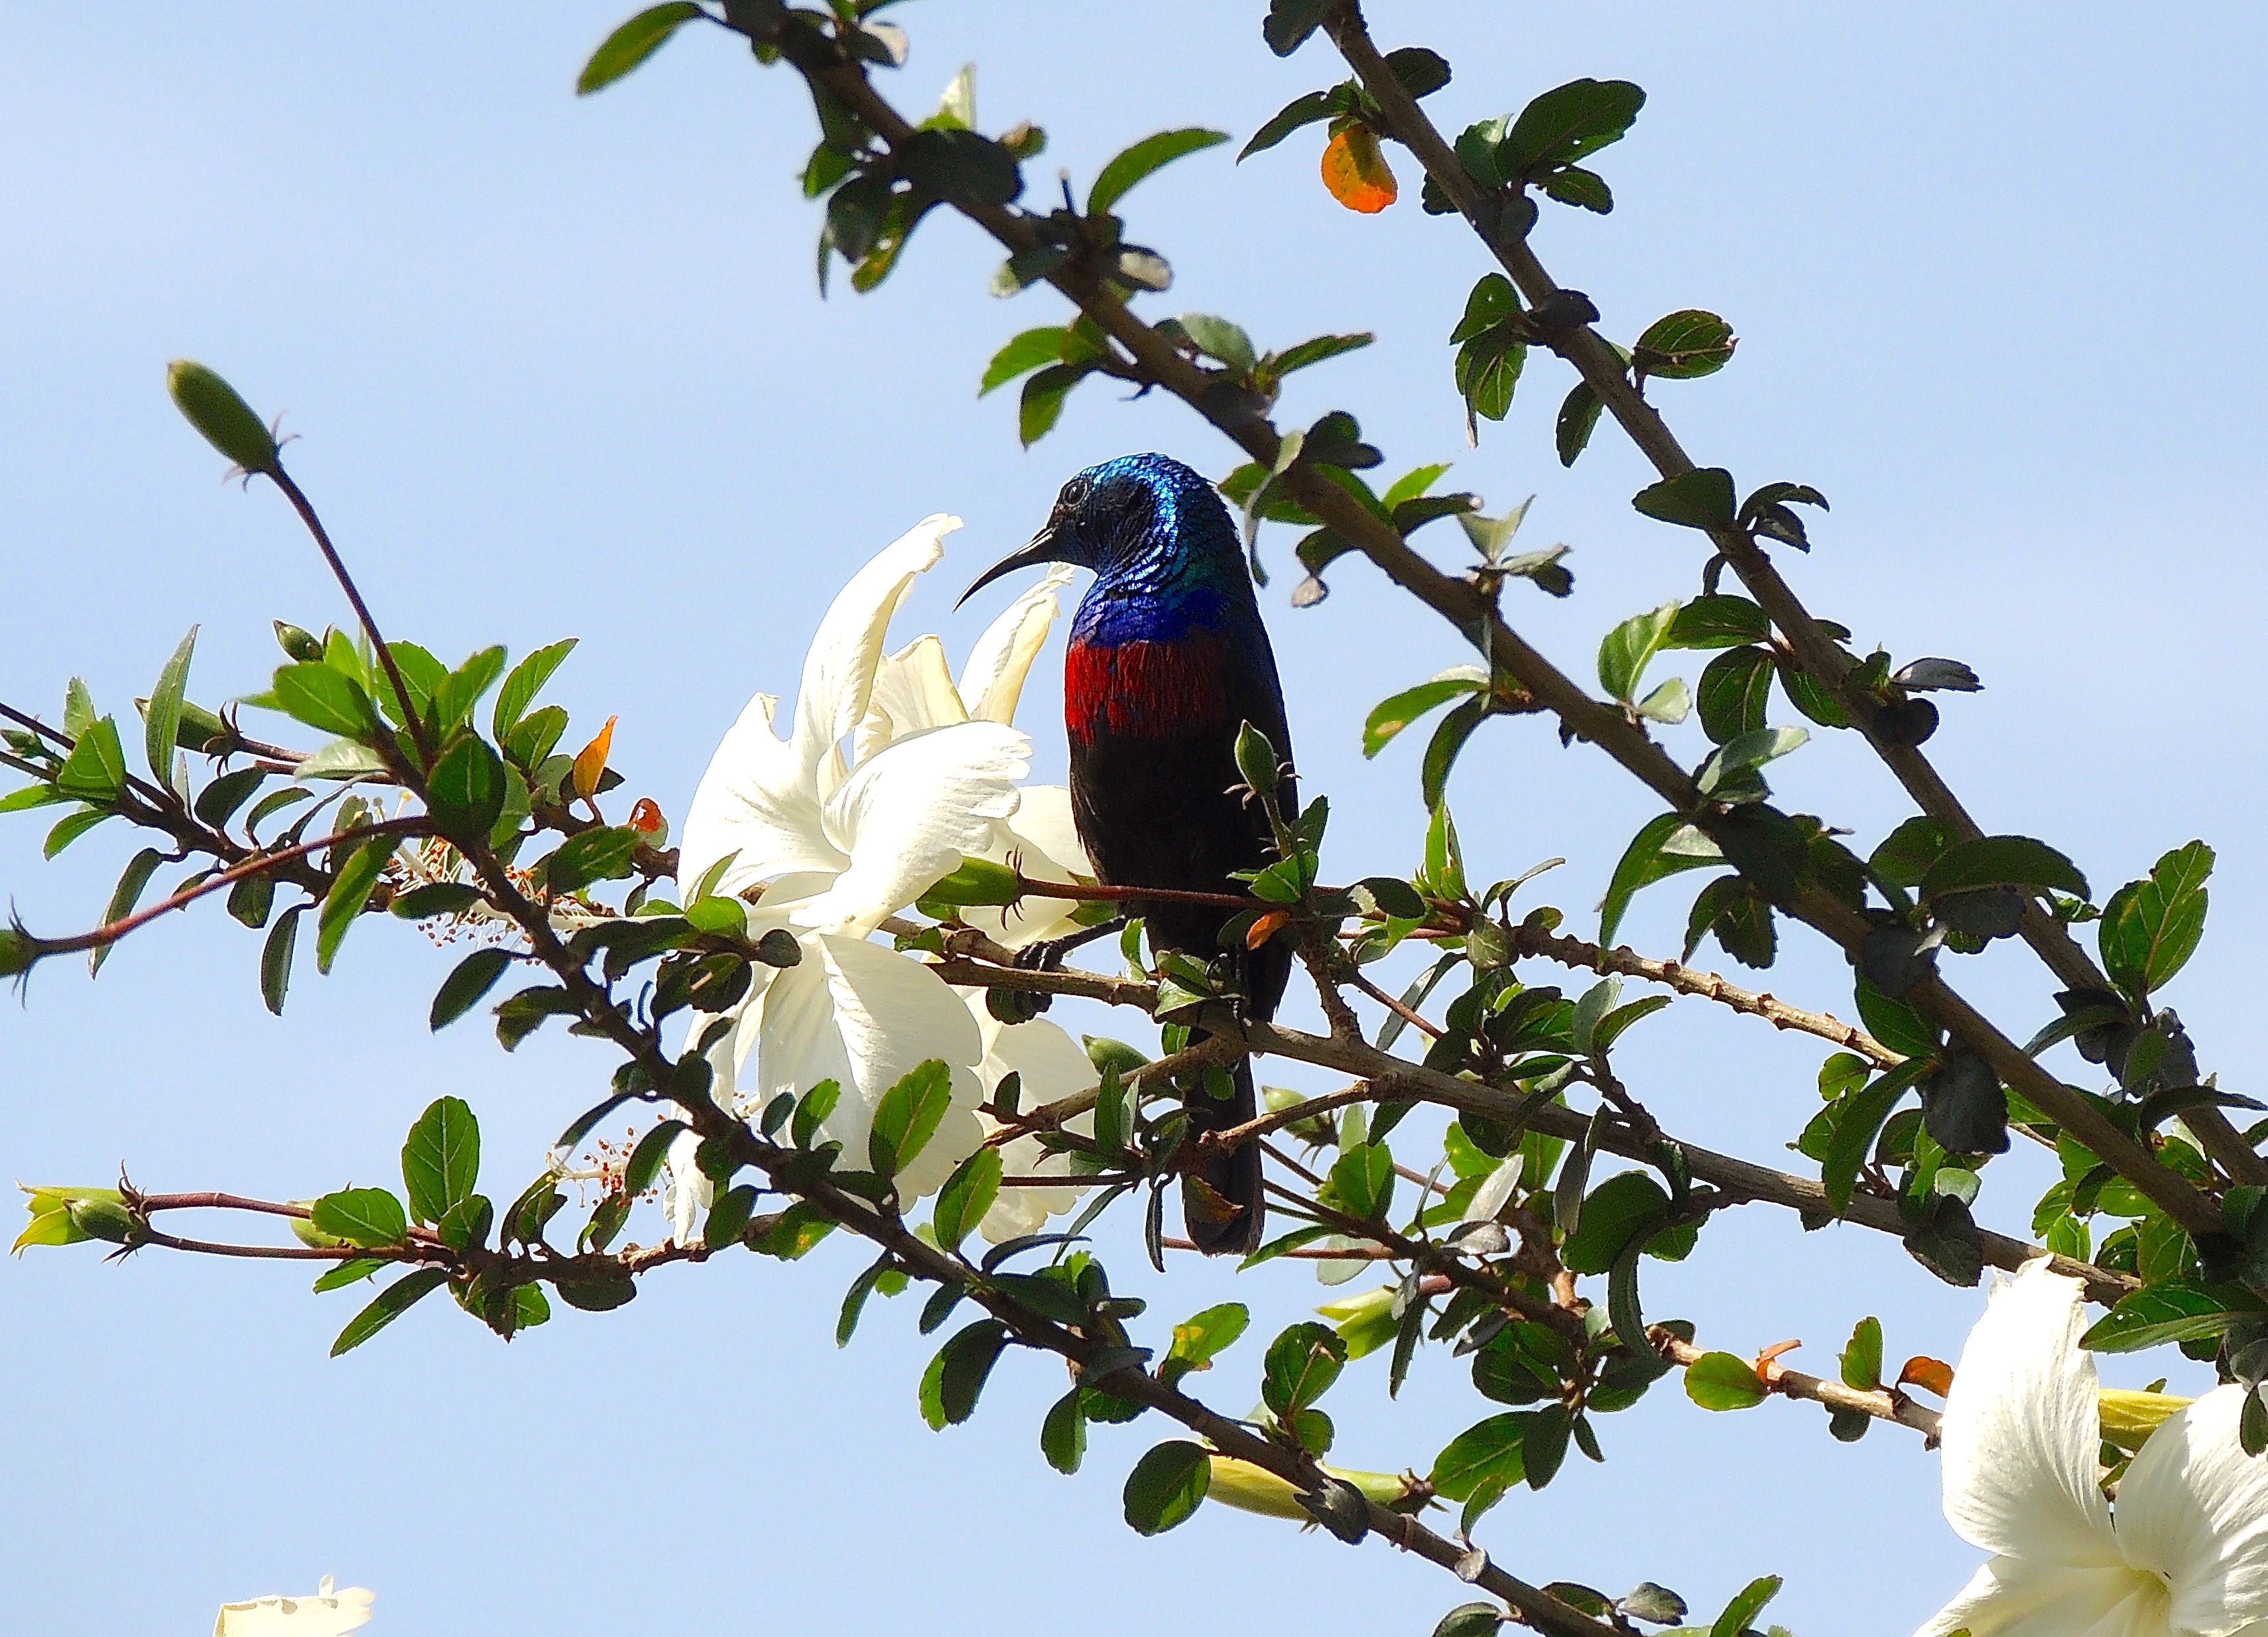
(829, 847)
(2183, 1554)
(328, 1613)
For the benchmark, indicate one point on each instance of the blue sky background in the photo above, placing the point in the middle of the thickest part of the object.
(560, 368)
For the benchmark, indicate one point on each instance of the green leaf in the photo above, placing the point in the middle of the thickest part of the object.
(956, 1377)
(1741, 1611)
(1994, 861)
(1568, 123)
(1683, 347)
(1698, 499)
(1316, 105)
(2159, 1314)
(1315, 351)
(1167, 1484)
(1133, 164)
(348, 1274)
(351, 890)
(601, 854)
(1301, 1364)
(1612, 1214)
(1906, 853)
(1219, 338)
(71, 826)
(1289, 23)
(389, 1304)
(966, 1196)
(1735, 694)
(1030, 350)
(465, 791)
(1626, 651)
(527, 678)
(2151, 928)
(1862, 1115)
(1579, 418)
(341, 759)
(1201, 1336)
(441, 1161)
(370, 1217)
(1861, 1362)
(1488, 1452)
(728, 1215)
(1041, 404)
(1718, 622)
(1397, 711)
(435, 897)
(1443, 749)
(1063, 1434)
(1664, 846)
(1719, 1380)
(1363, 1177)
(276, 958)
(632, 43)
(1488, 371)
(123, 898)
(95, 770)
(162, 723)
(462, 690)
(907, 1117)
(324, 697)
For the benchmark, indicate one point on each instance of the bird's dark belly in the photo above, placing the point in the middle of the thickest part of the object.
(1168, 811)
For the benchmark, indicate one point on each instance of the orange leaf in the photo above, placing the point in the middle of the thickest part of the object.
(1932, 1374)
(1266, 927)
(646, 819)
(591, 761)
(1768, 1361)
(1355, 171)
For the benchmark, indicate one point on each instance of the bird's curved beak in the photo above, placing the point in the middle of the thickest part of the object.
(1043, 549)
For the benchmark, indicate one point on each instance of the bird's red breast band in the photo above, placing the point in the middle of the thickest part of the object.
(1146, 690)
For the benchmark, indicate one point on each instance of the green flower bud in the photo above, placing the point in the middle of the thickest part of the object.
(977, 881)
(221, 417)
(1251, 1488)
(19, 951)
(1256, 759)
(304, 646)
(103, 1219)
(307, 1234)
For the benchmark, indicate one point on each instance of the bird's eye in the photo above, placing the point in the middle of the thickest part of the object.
(1075, 493)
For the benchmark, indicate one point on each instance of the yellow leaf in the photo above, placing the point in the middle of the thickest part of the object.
(591, 761)
(1355, 171)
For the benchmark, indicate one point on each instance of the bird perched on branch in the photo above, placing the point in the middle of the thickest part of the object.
(1168, 660)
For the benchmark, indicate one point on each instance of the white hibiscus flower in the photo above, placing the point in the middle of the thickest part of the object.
(2184, 1553)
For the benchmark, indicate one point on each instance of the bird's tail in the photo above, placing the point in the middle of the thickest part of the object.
(1220, 1197)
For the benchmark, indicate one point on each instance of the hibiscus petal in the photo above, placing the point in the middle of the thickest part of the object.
(2021, 1431)
(913, 691)
(2011, 1598)
(838, 674)
(1044, 821)
(863, 1016)
(911, 812)
(758, 800)
(327, 1613)
(686, 1193)
(2194, 1508)
(1050, 1066)
(993, 679)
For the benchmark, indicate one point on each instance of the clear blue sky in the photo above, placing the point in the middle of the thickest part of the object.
(560, 368)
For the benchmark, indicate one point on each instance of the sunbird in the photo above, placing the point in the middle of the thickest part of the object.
(1168, 660)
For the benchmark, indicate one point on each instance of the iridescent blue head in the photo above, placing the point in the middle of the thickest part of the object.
(1161, 546)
